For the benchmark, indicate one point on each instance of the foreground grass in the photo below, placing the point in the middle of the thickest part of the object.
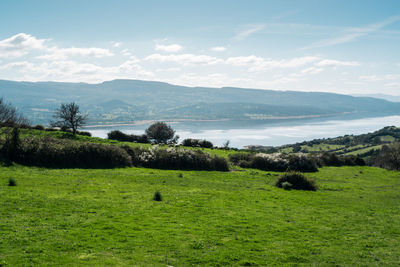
(108, 217)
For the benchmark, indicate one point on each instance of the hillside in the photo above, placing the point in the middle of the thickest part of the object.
(363, 145)
(123, 101)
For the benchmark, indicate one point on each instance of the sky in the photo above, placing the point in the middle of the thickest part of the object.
(349, 47)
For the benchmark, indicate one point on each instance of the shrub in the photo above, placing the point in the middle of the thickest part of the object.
(120, 136)
(274, 162)
(175, 159)
(157, 196)
(39, 127)
(61, 153)
(12, 182)
(297, 180)
(83, 133)
(236, 158)
(389, 157)
(197, 143)
(301, 162)
(287, 185)
(161, 133)
(331, 159)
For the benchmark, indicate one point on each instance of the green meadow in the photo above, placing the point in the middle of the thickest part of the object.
(105, 217)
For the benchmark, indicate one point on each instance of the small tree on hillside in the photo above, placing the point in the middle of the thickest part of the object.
(161, 133)
(9, 116)
(69, 116)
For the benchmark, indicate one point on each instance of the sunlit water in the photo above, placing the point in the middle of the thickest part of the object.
(268, 135)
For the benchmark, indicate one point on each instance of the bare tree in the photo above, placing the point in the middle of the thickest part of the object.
(9, 116)
(69, 116)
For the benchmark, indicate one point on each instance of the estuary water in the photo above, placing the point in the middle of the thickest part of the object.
(274, 133)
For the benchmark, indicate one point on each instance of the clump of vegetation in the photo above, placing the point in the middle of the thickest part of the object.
(175, 159)
(12, 182)
(287, 185)
(197, 143)
(39, 127)
(297, 181)
(157, 196)
(61, 153)
(161, 133)
(274, 162)
(389, 157)
(331, 159)
(120, 136)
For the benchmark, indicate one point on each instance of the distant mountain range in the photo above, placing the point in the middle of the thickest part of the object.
(392, 98)
(125, 101)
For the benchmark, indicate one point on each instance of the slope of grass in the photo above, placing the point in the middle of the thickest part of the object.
(80, 217)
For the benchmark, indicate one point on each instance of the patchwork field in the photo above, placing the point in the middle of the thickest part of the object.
(108, 217)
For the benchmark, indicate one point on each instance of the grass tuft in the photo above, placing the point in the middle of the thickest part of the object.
(12, 182)
(157, 196)
(296, 180)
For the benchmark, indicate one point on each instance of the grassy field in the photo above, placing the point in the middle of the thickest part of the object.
(107, 217)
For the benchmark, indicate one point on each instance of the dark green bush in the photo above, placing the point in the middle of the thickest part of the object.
(39, 127)
(197, 143)
(120, 136)
(157, 196)
(12, 182)
(287, 185)
(236, 158)
(297, 180)
(83, 133)
(61, 153)
(274, 162)
(331, 159)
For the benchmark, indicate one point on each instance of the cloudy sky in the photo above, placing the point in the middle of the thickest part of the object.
(339, 46)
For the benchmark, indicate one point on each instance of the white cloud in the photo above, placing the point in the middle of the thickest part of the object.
(336, 63)
(126, 52)
(247, 31)
(255, 63)
(312, 70)
(117, 44)
(377, 78)
(184, 59)
(173, 48)
(218, 49)
(19, 45)
(168, 69)
(17, 65)
(352, 34)
(393, 85)
(63, 53)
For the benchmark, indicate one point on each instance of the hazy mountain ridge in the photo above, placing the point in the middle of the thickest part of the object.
(128, 100)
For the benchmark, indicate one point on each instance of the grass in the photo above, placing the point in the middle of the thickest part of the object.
(80, 217)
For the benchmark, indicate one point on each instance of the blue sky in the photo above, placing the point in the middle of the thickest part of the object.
(347, 47)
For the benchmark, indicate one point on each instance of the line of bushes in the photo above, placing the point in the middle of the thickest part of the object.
(120, 136)
(331, 159)
(63, 129)
(274, 162)
(197, 143)
(294, 162)
(61, 153)
(64, 153)
(176, 159)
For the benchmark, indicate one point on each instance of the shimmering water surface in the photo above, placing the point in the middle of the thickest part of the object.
(270, 134)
